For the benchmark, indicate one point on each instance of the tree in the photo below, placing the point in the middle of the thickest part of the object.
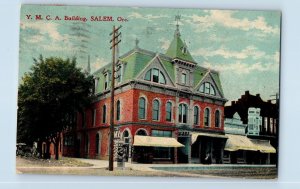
(49, 97)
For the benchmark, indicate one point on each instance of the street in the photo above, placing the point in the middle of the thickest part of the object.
(78, 166)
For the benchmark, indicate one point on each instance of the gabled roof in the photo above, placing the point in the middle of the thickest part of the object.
(137, 59)
(135, 63)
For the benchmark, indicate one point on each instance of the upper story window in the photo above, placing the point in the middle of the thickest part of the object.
(169, 111)
(217, 118)
(196, 115)
(207, 117)
(118, 116)
(103, 114)
(155, 75)
(94, 117)
(119, 73)
(155, 110)
(182, 113)
(207, 88)
(183, 78)
(106, 81)
(96, 81)
(142, 108)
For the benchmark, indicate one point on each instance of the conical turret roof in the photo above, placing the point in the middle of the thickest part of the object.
(178, 48)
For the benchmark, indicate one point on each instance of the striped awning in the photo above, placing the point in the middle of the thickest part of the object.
(156, 141)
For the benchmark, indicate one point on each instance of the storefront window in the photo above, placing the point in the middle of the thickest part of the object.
(161, 152)
(97, 143)
(158, 133)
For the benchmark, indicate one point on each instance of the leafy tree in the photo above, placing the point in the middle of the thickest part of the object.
(49, 97)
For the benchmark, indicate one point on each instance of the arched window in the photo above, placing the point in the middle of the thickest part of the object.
(126, 137)
(155, 110)
(155, 75)
(169, 111)
(196, 115)
(141, 132)
(217, 118)
(182, 113)
(103, 114)
(206, 117)
(97, 143)
(142, 108)
(207, 88)
(118, 116)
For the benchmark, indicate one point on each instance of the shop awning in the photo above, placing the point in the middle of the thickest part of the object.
(239, 142)
(156, 141)
(263, 146)
(195, 136)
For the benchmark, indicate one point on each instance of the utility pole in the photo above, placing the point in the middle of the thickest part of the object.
(114, 41)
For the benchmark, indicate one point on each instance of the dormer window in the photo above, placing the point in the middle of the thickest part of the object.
(106, 81)
(184, 50)
(156, 76)
(207, 88)
(119, 73)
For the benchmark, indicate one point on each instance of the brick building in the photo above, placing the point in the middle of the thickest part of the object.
(156, 95)
(262, 124)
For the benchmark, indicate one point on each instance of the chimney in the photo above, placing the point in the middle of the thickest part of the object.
(247, 93)
(232, 103)
(257, 95)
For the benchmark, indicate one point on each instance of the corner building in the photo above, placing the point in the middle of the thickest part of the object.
(168, 109)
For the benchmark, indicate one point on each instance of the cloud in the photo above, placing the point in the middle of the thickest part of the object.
(45, 28)
(165, 43)
(100, 62)
(148, 17)
(245, 68)
(35, 39)
(225, 18)
(249, 51)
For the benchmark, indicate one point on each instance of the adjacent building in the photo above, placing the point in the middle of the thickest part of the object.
(252, 137)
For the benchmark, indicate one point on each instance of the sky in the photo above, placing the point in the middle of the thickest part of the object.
(243, 46)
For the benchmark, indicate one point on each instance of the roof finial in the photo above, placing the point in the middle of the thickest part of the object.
(136, 43)
(177, 19)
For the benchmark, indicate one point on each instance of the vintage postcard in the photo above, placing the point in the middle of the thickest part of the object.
(148, 92)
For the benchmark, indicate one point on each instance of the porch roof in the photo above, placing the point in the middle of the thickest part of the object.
(156, 141)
